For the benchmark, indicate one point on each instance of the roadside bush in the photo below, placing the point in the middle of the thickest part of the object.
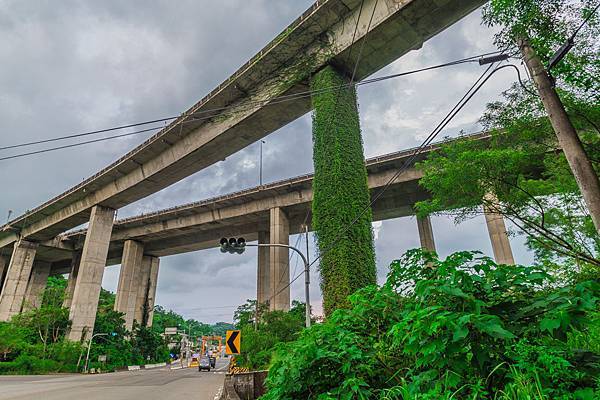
(460, 328)
(273, 327)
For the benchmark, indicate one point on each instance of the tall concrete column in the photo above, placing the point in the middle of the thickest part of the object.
(17, 277)
(91, 269)
(146, 290)
(498, 236)
(279, 274)
(263, 290)
(152, 283)
(70, 290)
(37, 283)
(426, 233)
(129, 280)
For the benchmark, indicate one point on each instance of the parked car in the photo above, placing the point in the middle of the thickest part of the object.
(204, 364)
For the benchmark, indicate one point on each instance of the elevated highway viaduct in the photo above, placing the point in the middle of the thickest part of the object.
(262, 96)
(267, 213)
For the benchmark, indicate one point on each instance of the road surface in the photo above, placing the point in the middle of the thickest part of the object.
(162, 383)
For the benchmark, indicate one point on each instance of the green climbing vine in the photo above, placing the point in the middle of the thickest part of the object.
(340, 193)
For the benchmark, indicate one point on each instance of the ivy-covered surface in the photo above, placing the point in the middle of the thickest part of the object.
(341, 192)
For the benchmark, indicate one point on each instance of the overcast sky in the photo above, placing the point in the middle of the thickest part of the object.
(72, 66)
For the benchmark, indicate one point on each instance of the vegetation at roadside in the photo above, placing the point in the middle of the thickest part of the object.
(461, 328)
(34, 342)
(273, 327)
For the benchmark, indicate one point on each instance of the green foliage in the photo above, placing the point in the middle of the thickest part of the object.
(260, 340)
(547, 24)
(34, 342)
(459, 328)
(341, 193)
(533, 182)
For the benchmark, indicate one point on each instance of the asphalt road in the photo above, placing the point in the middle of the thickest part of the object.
(162, 383)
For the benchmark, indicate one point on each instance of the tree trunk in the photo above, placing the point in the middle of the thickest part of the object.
(580, 164)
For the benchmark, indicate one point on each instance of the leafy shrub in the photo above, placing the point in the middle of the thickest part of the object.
(457, 328)
(273, 328)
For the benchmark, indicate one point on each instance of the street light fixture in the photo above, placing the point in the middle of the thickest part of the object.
(87, 357)
(233, 245)
(260, 173)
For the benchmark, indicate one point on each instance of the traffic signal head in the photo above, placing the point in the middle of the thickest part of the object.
(224, 245)
(233, 245)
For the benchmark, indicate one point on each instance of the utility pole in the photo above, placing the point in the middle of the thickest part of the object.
(569, 141)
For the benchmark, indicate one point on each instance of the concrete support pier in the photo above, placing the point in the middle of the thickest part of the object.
(146, 290)
(3, 268)
(279, 274)
(129, 280)
(17, 278)
(426, 233)
(75, 261)
(91, 269)
(152, 283)
(263, 291)
(37, 283)
(498, 236)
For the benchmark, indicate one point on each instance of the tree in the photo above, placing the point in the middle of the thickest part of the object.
(529, 177)
(341, 213)
(262, 338)
(50, 321)
(538, 27)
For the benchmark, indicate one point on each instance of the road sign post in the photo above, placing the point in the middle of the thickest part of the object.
(233, 342)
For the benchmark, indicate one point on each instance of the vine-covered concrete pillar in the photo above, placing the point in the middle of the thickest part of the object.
(341, 193)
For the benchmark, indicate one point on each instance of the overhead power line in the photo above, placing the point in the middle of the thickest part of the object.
(247, 106)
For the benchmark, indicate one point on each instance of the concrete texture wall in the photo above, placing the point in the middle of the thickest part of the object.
(247, 386)
(146, 290)
(152, 284)
(426, 233)
(279, 274)
(36, 285)
(91, 269)
(17, 278)
(263, 290)
(70, 290)
(497, 231)
(3, 268)
(129, 280)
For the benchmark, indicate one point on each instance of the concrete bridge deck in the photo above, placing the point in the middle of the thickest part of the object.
(320, 36)
(199, 225)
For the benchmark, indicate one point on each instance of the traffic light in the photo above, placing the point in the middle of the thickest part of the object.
(233, 245)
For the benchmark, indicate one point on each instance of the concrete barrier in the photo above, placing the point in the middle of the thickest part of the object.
(151, 366)
(247, 386)
(133, 368)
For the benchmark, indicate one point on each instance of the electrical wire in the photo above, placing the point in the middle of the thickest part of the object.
(77, 144)
(585, 21)
(246, 106)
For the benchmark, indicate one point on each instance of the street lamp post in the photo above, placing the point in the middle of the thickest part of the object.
(87, 357)
(260, 173)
